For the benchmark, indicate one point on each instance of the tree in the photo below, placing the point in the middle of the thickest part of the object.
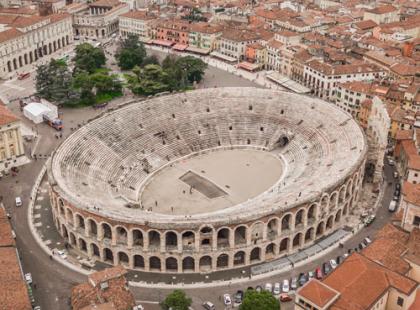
(194, 68)
(177, 300)
(259, 300)
(88, 58)
(131, 53)
(149, 81)
(150, 60)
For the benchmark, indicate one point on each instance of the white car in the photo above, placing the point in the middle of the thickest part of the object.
(285, 286)
(62, 254)
(18, 201)
(268, 287)
(28, 278)
(333, 264)
(277, 289)
(227, 300)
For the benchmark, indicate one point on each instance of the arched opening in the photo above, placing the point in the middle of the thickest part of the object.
(9, 66)
(123, 258)
(284, 245)
(330, 222)
(80, 222)
(154, 263)
(137, 237)
(255, 255)
(107, 231)
(108, 256)
(311, 213)
(138, 262)
(20, 61)
(188, 239)
(338, 216)
(257, 232)
(282, 141)
(320, 229)
(14, 64)
(222, 261)
(82, 245)
(240, 235)
(309, 234)
(67, 40)
(239, 258)
(64, 231)
(205, 263)
(70, 219)
(206, 236)
(154, 240)
(188, 264)
(171, 240)
(270, 251)
(272, 229)
(31, 57)
(346, 209)
(324, 203)
(95, 250)
(333, 200)
(55, 46)
(121, 235)
(285, 222)
(297, 240)
(299, 218)
(223, 238)
(72, 239)
(25, 58)
(171, 264)
(342, 195)
(93, 228)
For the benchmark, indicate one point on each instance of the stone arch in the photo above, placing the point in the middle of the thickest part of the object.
(349, 188)
(95, 250)
(205, 263)
(333, 200)
(92, 227)
(55, 45)
(154, 263)
(346, 209)
(188, 240)
(82, 245)
(240, 235)
(270, 251)
(15, 64)
(69, 216)
(223, 237)
(222, 261)
(108, 256)
(138, 239)
(154, 239)
(342, 194)
(67, 40)
(64, 231)
(107, 231)
(255, 254)
(25, 58)
(239, 258)
(138, 262)
(300, 218)
(309, 235)
(297, 241)
(50, 48)
(188, 264)
(123, 259)
(311, 215)
(72, 239)
(20, 61)
(9, 66)
(63, 43)
(206, 235)
(171, 264)
(325, 200)
(31, 57)
(320, 229)
(337, 216)
(286, 222)
(330, 222)
(80, 221)
(171, 240)
(284, 245)
(257, 231)
(273, 228)
(122, 235)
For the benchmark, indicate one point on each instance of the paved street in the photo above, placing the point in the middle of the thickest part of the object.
(53, 280)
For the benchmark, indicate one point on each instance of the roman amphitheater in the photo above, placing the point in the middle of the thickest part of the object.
(207, 180)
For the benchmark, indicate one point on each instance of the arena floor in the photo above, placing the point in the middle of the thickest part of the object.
(211, 181)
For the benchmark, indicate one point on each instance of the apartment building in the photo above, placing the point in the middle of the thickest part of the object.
(410, 204)
(233, 42)
(138, 23)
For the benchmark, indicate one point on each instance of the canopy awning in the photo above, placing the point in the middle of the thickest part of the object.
(288, 83)
(163, 42)
(248, 66)
(197, 50)
(180, 47)
(224, 57)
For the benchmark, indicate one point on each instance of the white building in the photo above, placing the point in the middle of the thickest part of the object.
(233, 42)
(26, 39)
(137, 23)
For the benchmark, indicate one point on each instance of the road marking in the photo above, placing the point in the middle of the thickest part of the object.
(147, 302)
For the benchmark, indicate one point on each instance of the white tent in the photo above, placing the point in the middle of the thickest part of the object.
(35, 112)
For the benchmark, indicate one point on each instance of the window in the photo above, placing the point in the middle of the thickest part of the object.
(400, 301)
(416, 221)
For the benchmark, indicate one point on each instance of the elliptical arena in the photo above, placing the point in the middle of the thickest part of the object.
(207, 180)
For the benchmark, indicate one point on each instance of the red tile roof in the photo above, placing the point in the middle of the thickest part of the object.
(318, 293)
(6, 117)
(411, 193)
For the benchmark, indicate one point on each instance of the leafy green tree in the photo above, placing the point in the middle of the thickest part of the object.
(131, 53)
(88, 58)
(150, 60)
(149, 81)
(177, 300)
(194, 68)
(259, 300)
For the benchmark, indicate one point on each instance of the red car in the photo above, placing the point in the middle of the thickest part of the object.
(285, 297)
(318, 273)
(23, 76)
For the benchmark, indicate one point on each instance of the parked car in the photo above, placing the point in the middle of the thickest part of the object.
(249, 288)
(339, 259)
(276, 289)
(285, 297)
(18, 201)
(318, 273)
(345, 255)
(398, 186)
(226, 299)
(37, 308)
(294, 283)
(258, 289)
(302, 279)
(28, 278)
(392, 206)
(395, 175)
(391, 162)
(239, 296)
(333, 264)
(208, 305)
(369, 220)
(327, 268)
(269, 287)
(62, 254)
(367, 241)
(311, 275)
(285, 286)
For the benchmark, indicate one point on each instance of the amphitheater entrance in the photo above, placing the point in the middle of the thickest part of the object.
(214, 180)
